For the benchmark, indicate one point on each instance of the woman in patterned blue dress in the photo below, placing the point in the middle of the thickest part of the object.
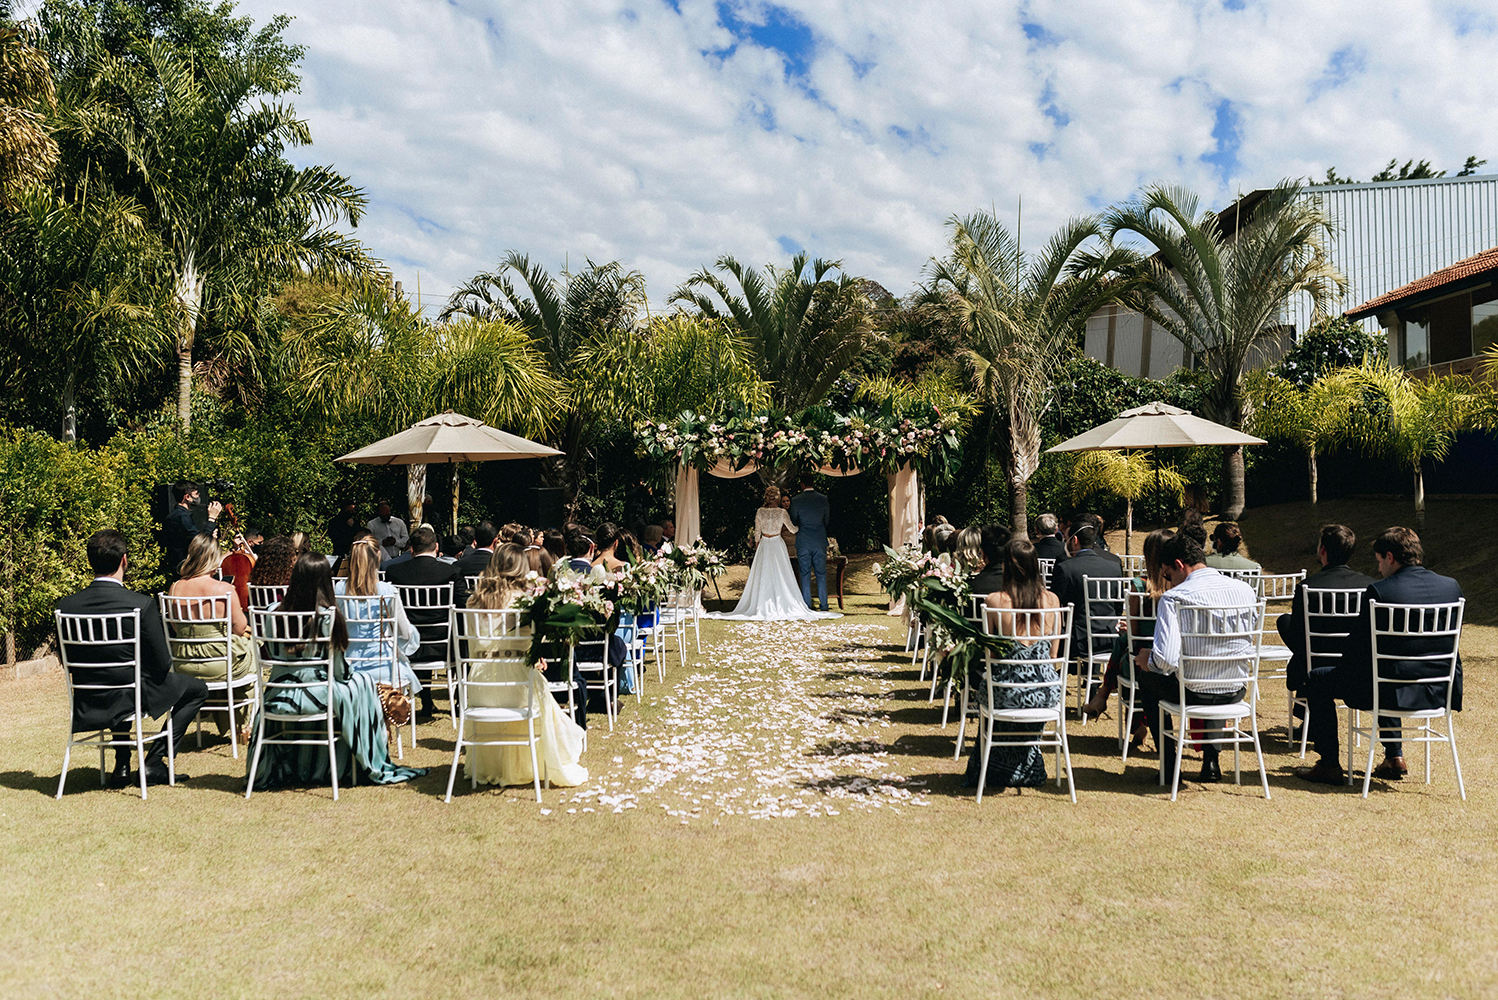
(1009, 766)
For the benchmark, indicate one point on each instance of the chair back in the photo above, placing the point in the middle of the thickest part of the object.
(976, 603)
(371, 629)
(291, 639)
(1248, 576)
(80, 634)
(1047, 567)
(1133, 565)
(429, 606)
(1423, 639)
(482, 646)
(213, 611)
(1106, 598)
(1139, 620)
(471, 582)
(266, 597)
(1329, 616)
(1050, 627)
(1220, 646)
(1279, 586)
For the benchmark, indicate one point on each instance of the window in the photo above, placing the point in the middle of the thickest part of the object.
(1484, 319)
(1415, 340)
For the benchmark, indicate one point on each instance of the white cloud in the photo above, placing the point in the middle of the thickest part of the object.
(622, 129)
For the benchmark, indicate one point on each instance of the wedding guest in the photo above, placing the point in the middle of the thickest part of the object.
(426, 570)
(1048, 542)
(1333, 550)
(341, 527)
(1016, 767)
(559, 739)
(1405, 580)
(1086, 560)
(967, 550)
(580, 551)
(390, 532)
(465, 536)
(607, 557)
(367, 651)
(356, 704)
(162, 690)
(195, 579)
(668, 529)
(629, 548)
(452, 547)
(1146, 592)
(273, 568)
(300, 543)
(473, 563)
(540, 561)
(554, 544)
(652, 537)
(1193, 584)
(1227, 548)
(1191, 524)
(993, 539)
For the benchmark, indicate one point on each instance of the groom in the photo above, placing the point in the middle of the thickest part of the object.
(809, 515)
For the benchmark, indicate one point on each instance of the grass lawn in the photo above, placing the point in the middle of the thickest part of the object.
(782, 818)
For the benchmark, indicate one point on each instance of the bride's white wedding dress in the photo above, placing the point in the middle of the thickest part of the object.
(771, 593)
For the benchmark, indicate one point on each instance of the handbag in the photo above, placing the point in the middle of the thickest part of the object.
(396, 705)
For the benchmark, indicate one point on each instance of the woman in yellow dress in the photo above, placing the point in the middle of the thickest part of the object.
(559, 740)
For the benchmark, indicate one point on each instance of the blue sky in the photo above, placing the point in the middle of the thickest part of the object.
(664, 133)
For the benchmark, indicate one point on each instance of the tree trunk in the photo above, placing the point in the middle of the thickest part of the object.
(455, 493)
(1311, 467)
(1419, 497)
(1232, 483)
(416, 488)
(69, 409)
(1019, 500)
(189, 293)
(1128, 523)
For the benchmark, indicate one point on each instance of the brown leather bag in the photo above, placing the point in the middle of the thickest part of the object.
(397, 706)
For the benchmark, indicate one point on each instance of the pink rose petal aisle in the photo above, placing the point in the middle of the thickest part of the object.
(778, 719)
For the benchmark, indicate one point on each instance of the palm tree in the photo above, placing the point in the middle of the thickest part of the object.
(27, 151)
(1123, 474)
(675, 363)
(78, 295)
(1411, 420)
(1315, 416)
(203, 149)
(1223, 294)
(1020, 315)
(561, 317)
(371, 355)
(803, 330)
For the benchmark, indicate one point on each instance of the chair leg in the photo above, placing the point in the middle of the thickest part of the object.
(249, 785)
(530, 725)
(985, 733)
(1373, 736)
(452, 773)
(1071, 787)
(67, 755)
(1455, 760)
(333, 750)
(1259, 753)
(140, 750)
(1175, 786)
(961, 722)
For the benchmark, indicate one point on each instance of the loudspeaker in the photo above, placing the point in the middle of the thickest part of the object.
(550, 506)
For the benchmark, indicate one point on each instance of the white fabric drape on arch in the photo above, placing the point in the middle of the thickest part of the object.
(904, 515)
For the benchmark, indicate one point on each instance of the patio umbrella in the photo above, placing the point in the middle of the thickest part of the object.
(448, 437)
(1154, 426)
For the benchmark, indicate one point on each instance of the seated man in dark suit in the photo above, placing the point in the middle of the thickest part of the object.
(426, 570)
(993, 538)
(1405, 581)
(162, 691)
(1334, 549)
(1086, 560)
(473, 563)
(1048, 543)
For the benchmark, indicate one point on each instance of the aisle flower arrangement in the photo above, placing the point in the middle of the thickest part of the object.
(938, 592)
(565, 608)
(883, 439)
(693, 566)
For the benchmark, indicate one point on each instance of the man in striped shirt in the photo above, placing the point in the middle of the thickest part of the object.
(1192, 584)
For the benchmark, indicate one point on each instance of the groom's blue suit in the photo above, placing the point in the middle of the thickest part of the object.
(809, 512)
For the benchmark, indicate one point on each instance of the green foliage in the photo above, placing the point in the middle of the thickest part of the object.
(1331, 343)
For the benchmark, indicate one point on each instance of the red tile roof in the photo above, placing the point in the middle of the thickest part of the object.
(1470, 267)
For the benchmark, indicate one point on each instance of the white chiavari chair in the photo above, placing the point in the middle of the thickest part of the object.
(276, 634)
(184, 615)
(1105, 597)
(432, 603)
(483, 637)
(1328, 619)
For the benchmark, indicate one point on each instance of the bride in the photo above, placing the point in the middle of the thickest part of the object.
(771, 592)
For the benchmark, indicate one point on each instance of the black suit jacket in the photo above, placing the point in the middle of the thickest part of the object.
(1050, 547)
(160, 688)
(472, 563)
(1406, 585)
(1066, 583)
(429, 571)
(986, 581)
(1292, 625)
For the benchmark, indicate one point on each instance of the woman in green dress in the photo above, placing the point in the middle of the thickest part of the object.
(356, 703)
(214, 599)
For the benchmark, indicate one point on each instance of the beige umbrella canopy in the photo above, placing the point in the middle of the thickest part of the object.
(1155, 425)
(447, 437)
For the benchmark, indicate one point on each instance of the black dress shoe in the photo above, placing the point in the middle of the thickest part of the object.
(157, 774)
(119, 777)
(1211, 773)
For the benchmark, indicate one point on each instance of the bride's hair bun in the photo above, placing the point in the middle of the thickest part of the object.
(772, 496)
